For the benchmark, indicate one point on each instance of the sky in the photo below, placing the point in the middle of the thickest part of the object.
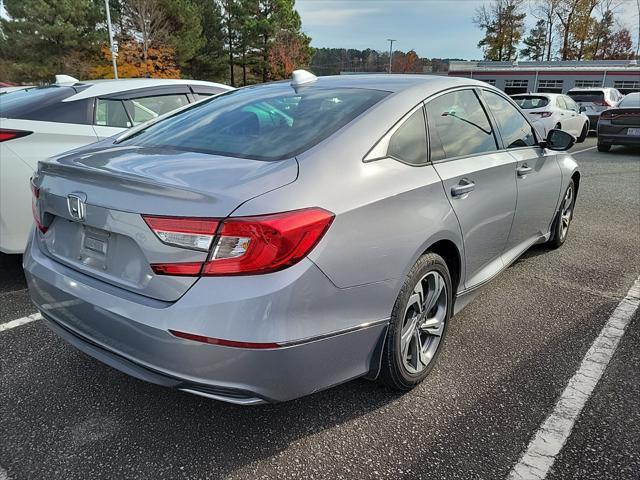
(433, 28)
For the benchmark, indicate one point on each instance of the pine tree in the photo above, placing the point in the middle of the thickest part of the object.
(43, 38)
(535, 42)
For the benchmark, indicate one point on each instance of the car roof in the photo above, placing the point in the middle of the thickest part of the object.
(536, 94)
(592, 89)
(98, 88)
(394, 82)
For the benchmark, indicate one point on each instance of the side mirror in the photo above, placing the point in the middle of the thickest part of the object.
(583, 109)
(558, 140)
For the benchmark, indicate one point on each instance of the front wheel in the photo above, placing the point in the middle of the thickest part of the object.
(561, 223)
(418, 324)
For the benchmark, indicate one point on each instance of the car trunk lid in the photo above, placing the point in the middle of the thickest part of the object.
(92, 202)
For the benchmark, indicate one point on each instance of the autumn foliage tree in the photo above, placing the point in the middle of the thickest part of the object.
(134, 63)
(287, 53)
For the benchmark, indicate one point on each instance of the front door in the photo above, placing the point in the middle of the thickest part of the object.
(537, 176)
(478, 179)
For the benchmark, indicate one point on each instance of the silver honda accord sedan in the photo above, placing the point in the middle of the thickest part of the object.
(279, 239)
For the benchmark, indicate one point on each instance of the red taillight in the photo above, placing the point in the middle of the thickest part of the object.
(193, 233)
(607, 114)
(267, 243)
(8, 134)
(244, 245)
(34, 207)
(544, 114)
(224, 343)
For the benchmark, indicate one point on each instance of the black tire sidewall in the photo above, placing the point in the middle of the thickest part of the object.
(393, 371)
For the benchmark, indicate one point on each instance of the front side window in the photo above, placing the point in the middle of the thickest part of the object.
(458, 126)
(515, 130)
(409, 142)
(147, 108)
(267, 122)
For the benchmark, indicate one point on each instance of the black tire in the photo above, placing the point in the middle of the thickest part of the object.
(393, 371)
(602, 147)
(558, 235)
(584, 133)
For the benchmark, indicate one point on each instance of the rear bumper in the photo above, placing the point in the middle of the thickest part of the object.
(132, 335)
(616, 135)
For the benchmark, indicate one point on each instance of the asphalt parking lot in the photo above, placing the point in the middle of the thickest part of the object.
(506, 361)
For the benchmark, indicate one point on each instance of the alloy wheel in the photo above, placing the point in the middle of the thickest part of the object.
(566, 213)
(424, 322)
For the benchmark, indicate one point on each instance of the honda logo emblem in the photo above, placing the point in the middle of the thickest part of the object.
(76, 206)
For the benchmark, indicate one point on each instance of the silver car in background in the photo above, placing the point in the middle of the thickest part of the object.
(283, 238)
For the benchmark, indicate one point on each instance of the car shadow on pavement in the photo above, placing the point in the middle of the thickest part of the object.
(11, 274)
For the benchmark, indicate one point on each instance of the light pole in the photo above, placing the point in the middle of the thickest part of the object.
(112, 45)
(390, 40)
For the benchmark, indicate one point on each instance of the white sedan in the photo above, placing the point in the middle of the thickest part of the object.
(37, 123)
(552, 110)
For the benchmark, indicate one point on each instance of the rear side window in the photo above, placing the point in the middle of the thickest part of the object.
(409, 142)
(268, 122)
(147, 108)
(630, 101)
(587, 96)
(516, 132)
(561, 103)
(528, 103)
(458, 126)
(46, 104)
(111, 113)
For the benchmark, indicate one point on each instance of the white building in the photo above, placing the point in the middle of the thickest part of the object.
(552, 77)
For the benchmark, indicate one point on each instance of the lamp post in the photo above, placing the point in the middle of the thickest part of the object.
(390, 40)
(113, 47)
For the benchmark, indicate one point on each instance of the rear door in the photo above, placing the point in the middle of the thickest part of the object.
(537, 175)
(478, 179)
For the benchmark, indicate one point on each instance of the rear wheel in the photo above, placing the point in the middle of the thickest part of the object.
(603, 147)
(584, 133)
(563, 219)
(418, 324)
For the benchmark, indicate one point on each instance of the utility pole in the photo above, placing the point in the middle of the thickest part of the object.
(113, 47)
(391, 40)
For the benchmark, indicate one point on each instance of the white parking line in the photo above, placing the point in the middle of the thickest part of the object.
(583, 150)
(552, 435)
(17, 323)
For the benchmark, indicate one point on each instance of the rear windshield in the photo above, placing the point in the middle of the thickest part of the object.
(265, 123)
(587, 97)
(45, 104)
(630, 101)
(527, 103)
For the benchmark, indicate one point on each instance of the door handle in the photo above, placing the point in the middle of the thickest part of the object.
(464, 187)
(523, 171)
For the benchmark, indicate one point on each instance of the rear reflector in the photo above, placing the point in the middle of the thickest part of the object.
(177, 269)
(224, 343)
(192, 233)
(8, 134)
